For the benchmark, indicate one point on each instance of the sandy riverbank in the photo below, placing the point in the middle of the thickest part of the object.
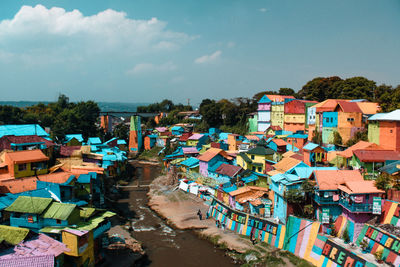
(180, 210)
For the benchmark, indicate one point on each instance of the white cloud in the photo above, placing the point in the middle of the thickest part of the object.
(263, 9)
(38, 31)
(149, 67)
(208, 58)
(231, 44)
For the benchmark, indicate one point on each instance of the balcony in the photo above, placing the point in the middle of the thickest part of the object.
(325, 200)
(356, 207)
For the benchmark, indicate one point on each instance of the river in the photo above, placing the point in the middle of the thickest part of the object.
(164, 245)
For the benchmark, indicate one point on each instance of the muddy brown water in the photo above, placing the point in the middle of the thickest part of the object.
(164, 245)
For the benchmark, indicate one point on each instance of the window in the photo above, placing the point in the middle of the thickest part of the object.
(350, 119)
(252, 156)
(253, 168)
(22, 167)
(259, 169)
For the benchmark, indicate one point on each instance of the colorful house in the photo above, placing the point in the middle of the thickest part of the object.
(190, 165)
(295, 118)
(23, 129)
(251, 199)
(21, 247)
(177, 130)
(197, 140)
(350, 119)
(297, 140)
(23, 163)
(264, 114)
(149, 141)
(25, 142)
(234, 141)
(370, 160)
(313, 154)
(255, 158)
(384, 130)
(278, 109)
(252, 120)
(272, 130)
(73, 140)
(327, 195)
(210, 157)
(36, 212)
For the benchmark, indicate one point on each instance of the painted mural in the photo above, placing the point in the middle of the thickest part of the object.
(380, 240)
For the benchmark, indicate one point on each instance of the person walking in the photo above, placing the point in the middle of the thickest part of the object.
(200, 215)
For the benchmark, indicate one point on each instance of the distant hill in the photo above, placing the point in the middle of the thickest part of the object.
(104, 106)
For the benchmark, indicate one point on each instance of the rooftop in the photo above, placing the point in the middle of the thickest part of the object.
(25, 204)
(331, 179)
(27, 156)
(213, 152)
(360, 187)
(376, 155)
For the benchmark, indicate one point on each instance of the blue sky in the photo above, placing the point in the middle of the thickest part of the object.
(149, 50)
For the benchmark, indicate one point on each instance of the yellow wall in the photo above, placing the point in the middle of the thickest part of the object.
(277, 115)
(71, 241)
(191, 142)
(295, 118)
(28, 172)
(240, 161)
(260, 159)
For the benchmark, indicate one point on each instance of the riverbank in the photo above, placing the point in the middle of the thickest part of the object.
(179, 209)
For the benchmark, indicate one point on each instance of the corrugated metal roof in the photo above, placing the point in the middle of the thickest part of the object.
(376, 155)
(213, 152)
(94, 141)
(360, 187)
(310, 146)
(264, 100)
(331, 179)
(59, 211)
(228, 169)
(31, 261)
(86, 212)
(195, 136)
(69, 137)
(22, 129)
(190, 162)
(25, 204)
(27, 156)
(391, 116)
(391, 168)
(349, 107)
(13, 235)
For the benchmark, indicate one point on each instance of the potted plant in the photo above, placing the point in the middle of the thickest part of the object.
(364, 245)
(379, 256)
(346, 236)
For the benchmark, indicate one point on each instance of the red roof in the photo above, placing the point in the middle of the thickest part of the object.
(348, 107)
(6, 141)
(366, 155)
(184, 137)
(67, 151)
(297, 106)
(229, 170)
(360, 187)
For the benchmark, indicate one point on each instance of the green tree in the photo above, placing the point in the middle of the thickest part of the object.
(121, 131)
(319, 89)
(337, 138)
(383, 182)
(317, 137)
(358, 136)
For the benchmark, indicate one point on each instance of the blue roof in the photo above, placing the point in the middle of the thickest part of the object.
(190, 162)
(291, 148)
(229, 189)
(376, 116)
(121, 142)
(310, 146)
(69, 137)
(250, 178)
(22, 129)
(176, 128)
(285, 178)
(94, 141)
(305, 172)
(391, 168)
(214, 167)
(152, 135)
(84, 179)
(264, 100)
(109, 141)
(223, 136)
(302, 136)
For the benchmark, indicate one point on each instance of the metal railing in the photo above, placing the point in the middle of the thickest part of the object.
(356, 207)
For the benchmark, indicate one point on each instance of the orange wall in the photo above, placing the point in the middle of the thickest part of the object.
(342, 119)
(147, 143)
(311, 129)
(389, 135)
(293, 127)
(133, 140)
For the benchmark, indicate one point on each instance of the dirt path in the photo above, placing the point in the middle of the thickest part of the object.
(180, 210)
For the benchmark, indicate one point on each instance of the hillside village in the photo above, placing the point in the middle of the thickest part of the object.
(291, 180)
